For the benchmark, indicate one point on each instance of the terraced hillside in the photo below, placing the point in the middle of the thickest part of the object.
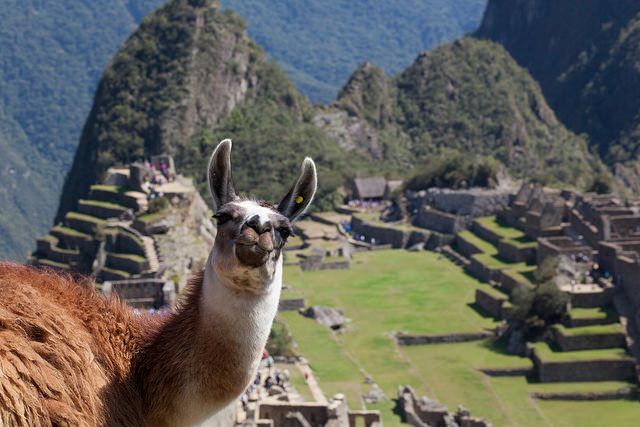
(395, 292)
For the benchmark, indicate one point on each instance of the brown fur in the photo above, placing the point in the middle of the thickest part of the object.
(69, 356)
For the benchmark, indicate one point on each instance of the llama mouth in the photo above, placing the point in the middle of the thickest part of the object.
(252, 255)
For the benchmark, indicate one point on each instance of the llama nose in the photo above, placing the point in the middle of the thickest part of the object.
(254, 222)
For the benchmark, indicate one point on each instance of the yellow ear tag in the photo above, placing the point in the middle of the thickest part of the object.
(299, 199)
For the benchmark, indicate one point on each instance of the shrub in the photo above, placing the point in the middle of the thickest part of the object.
(537, 309)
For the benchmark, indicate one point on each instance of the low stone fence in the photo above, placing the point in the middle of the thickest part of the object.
(291, 304)
(623, 369)
(569, 342)
(570, 322)
(507, 372)
(597, 298)
(490, 301)
(621, 393)
(514, 253)
(406, 339)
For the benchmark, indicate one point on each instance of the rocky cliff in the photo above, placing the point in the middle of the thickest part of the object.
(187, 65)
(585, 56)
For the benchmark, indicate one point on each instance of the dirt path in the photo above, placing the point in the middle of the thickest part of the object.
(315, 389)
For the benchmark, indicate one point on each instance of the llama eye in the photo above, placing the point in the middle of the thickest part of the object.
(222, 217)
(285, 232)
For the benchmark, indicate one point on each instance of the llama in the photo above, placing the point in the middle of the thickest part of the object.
(69, 356)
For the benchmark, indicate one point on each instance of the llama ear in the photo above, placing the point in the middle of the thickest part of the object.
(301, 194)
(219, 175)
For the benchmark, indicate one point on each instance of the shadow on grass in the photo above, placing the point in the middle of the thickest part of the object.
(481, 311)
(397, 410)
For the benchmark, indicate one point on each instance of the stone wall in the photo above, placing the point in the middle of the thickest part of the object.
(557, 246)
(114, 197)
(569, 342)
(465, 246)
(422, 339)
(598, 298)
(482, 272)
(126, 263)
(142, 292)
(443, 222)
(424, 412)
(491, 302)
(485, 233)
(129, 243)
(585, 370)
(103, 212)
(396, 237)
(390, 235)
(514, 253)
(510, 283)
(474, 202)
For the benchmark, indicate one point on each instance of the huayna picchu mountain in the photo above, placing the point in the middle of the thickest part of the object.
(190, 76)
(585, 55)
(469, 96)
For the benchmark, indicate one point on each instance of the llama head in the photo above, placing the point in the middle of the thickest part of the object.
(251, 234)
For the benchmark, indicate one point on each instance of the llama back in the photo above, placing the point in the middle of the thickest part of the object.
(65, 352)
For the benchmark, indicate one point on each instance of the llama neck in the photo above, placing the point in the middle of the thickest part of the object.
(219, 359)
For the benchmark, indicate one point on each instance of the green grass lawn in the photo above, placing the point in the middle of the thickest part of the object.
(506, 232)
(593, 313)
(485, 246)
(395, 290)
(102, 204)
(589, 330)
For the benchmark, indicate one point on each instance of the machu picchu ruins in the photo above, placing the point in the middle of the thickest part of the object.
(130, 235)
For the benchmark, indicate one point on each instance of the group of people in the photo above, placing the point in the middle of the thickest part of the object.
(165, 173)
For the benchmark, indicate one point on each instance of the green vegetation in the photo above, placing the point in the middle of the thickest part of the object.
(454, 170)
(102, 204)
(132, 257)
(535, 310)
(589, 330)
(53, 54)
(69, 232)
(507, 232)
(86, 218)
(320, 43)
(485, 246)
(419, 293)
(279, 343)
(546, 353)
(151, 217)
(590, 313)
(589, 76)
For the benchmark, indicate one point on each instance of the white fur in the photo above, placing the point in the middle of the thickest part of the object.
(252, 209)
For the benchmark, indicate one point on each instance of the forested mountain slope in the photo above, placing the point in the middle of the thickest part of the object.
(586, 56)
(320, 42)
(52, 56)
